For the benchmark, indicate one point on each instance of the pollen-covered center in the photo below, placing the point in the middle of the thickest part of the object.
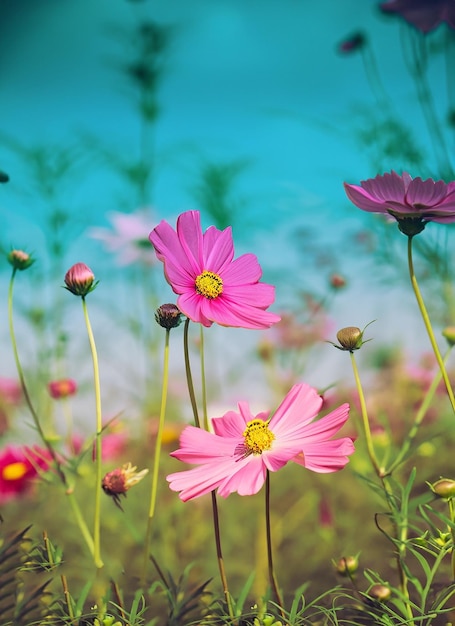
(14, 471)
(209, 285)
(258, 437)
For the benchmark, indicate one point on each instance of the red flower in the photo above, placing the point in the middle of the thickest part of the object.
(19, 466)
(62, 388)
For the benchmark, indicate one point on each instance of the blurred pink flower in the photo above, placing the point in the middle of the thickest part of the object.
(244, 446)
(406, 199)
(10, 391)
(129, 237)
(19, 466)
(212, 287)
(113, 445)
(62, 388)
(425, 15)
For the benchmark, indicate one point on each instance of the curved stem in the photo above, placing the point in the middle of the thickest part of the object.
(365, 420)
(98, 448)
(28, 400)
(60, 473)
(426, 321)
(272, 577)
(203, 382)
(156, 460)
(425, 405)
(189, 376)
(219, 555)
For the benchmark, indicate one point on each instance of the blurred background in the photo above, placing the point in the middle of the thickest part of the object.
(116, 114)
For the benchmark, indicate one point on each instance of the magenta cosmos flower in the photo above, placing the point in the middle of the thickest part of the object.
(212, 287)
(411, 201)
(425, 15)
(243, 447)
(19, 466)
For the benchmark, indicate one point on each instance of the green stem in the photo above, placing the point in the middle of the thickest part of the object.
(203, 382)
(219, 555)
(365, 420)
(426, 320)
(272, 577)
(98, 450)
(60, 473)
(452, 532)
(418, 418)
(156, 460)
(189, 376)
(216, 522)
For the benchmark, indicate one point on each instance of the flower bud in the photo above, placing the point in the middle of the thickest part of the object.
(449, 334)
(20, 260)
(337, 281)
(168, 316)
(352, 43)
(379, 592)
(62, 388)
(347, 565)
(350, 338)
(444, 488)
(80, 280)
(120, 480)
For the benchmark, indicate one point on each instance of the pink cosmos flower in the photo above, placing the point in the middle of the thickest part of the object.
(406, 199)
(62, 388)
(212, 287)
(19, 466)
(243, 447)
(128, 238)
(425, 15)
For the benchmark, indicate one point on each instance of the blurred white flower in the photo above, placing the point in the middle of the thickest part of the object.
(128, 238)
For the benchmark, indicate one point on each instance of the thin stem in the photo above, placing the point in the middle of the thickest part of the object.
(452, 532)
(203, 382)
(272, 577)
(425, 405)
(20, 372)
(216, 522)
(98, 449)
(219, 555)
(156, 460)
(80, 521)
(365, 420)
(426, 320)
(189, 376)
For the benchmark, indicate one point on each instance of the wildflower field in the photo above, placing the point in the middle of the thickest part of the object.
(166, 456)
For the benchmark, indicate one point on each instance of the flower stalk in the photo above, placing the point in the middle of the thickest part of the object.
(428, 326)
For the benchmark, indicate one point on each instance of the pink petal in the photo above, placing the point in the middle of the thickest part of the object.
(179, 271)
(199, 446)
(426, 192)
(199, 480)
(327, 426)
(190, 303)
(258, 295)
(243, 271)
(190, 236)
(247, 480)
(326, 456)
(237, 315)
(301, 404)
(232, 424)
(364, 200)
(218, 250)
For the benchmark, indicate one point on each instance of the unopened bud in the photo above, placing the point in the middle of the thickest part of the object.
(347, 565)
(20, 260)
(350, 338)
(80, 280)
(379, 592)
(337, 281)
(62, 388)
(449, 334)
(444, 488)
(168, 316)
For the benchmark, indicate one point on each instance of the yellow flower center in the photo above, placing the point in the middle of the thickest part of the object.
(14, 471)
(209, 285)
(258, 437)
